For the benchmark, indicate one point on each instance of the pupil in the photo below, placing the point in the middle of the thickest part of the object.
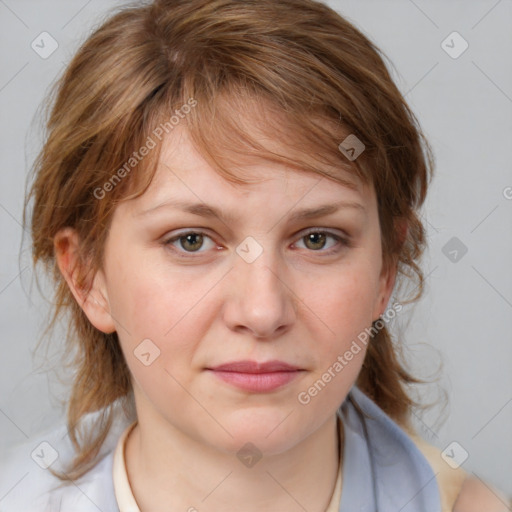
(312, 236)
(190, 238)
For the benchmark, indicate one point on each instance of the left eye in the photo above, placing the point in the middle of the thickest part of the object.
(316, 240)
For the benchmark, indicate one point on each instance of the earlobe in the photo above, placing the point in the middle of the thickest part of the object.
(89, 292)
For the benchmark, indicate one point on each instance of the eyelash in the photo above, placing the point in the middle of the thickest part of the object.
(341, 242)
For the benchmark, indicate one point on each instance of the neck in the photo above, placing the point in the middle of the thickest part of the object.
(165, 466)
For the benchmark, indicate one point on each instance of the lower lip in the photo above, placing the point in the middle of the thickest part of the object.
(257, 382)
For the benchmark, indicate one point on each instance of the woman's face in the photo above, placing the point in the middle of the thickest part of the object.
(188, 291)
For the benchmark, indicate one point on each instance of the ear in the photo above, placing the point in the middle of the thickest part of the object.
(91, 292)
(386, 285)
(388, 275)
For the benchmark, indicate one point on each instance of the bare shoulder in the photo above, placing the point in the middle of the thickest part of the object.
(476, 496)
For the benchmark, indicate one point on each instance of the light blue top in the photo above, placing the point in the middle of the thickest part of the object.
(383, 470)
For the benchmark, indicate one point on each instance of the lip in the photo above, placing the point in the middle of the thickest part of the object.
(256, 377)
(247, 366)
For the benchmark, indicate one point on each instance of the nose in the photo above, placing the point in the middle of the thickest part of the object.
(260, 301)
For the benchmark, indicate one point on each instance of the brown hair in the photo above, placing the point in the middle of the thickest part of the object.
(312, 79)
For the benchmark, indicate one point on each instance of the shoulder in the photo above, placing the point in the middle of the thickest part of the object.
(449, 479)
(460, 492)
(476, 496)
(27, 484)
(23, 484)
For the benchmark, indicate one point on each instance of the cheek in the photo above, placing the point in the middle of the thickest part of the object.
(339, 311)
(147, 296)
(168, 307)
(342, 300)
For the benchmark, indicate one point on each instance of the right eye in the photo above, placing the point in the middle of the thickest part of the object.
(188, 242)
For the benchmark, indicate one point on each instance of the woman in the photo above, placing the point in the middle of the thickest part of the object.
(227, 196)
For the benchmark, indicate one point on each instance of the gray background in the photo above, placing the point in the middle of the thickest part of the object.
(463, 321)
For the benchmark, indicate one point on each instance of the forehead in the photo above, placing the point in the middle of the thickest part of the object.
(183, 172)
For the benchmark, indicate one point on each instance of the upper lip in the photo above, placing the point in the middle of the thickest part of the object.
(256, 367)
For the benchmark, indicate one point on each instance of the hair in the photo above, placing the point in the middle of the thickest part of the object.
(310, 78)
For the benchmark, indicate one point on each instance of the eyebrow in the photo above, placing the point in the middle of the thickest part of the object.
(205, 210)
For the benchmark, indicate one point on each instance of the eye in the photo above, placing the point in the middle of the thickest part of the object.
(190, 241)
(316, 240)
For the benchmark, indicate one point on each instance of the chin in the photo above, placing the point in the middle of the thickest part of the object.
(263, 431)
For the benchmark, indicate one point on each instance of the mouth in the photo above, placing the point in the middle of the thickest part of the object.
(256, 377)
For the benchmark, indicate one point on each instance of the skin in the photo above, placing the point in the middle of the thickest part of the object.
(294, 303)
(476, 496)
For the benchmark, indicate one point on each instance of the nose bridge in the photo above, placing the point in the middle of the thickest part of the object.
(261, 274)
(263, 303)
